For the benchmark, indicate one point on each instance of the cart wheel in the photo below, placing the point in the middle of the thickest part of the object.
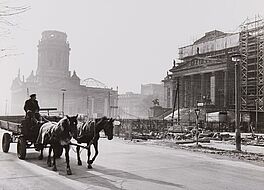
(21, 148)
(6, 140)
(58, 151)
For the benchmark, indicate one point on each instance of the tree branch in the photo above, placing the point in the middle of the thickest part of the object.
(6, 12)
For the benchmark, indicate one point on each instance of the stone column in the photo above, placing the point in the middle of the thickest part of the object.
(168, 98)
(92, 111)
(170, 91)
(203, 86)
(106, 106)
(173, 90)
(219, 89)
(186, 97)
(182, 92)
(225, 89)
(207, 85)
(192, 86)
(212, 87)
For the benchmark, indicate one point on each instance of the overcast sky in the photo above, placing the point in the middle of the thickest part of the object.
(121, 43)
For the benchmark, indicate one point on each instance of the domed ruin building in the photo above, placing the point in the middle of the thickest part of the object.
(53, 79)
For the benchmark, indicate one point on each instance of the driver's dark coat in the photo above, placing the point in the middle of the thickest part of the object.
(31, 105)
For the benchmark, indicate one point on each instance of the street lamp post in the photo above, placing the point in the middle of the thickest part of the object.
(109, 104)
(206, 102)
(87, 107)
(236, 59)
(63, 91)
(205, 110)
(256, 121)
(197, 113)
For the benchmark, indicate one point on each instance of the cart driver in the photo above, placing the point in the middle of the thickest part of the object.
(31, 107)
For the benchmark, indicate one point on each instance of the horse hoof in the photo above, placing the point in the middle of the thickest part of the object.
(69, 172)
(90, 162)
(89, 166)
(79, 163)
(54, 169)
(49, 163)
(40, 157)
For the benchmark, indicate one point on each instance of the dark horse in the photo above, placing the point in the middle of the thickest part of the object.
(57, 135)
(89, 133)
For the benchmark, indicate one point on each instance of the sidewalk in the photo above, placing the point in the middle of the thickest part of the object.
(226, 145)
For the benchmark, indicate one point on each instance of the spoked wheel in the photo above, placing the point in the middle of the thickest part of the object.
(6, 140)
(21, 148)
(58, 151)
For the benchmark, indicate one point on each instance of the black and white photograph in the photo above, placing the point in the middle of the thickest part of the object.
(131, 95)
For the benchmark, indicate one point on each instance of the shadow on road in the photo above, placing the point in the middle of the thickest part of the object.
(98, 176)
(105, 176)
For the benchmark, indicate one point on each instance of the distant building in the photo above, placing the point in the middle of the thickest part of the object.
(53, 78)
(156, 91)
(132, 105)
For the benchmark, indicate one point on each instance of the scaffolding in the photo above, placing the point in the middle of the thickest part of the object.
(251, 44)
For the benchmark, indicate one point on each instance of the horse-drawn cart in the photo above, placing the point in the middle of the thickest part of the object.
(13, 124)
(21, 132)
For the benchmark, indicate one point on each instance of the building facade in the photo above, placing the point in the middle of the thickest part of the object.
(206, 73)
(133, 106)
(57, 87)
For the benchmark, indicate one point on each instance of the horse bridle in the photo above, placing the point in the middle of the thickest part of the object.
(70, 125)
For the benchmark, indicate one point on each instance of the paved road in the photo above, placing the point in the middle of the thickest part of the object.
(123, 165)
(18, 174)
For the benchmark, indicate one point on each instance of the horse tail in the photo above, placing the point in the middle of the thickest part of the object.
(39, 144)
(42, 132)
(38, 141)
(41, 138)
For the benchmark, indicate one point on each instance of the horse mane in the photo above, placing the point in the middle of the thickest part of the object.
(89, 128)
(64, 123)
(53, 130)
(86, 127)
(61, 126)
(100, 120)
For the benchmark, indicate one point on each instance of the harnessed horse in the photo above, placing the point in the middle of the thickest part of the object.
(89, 133)
(57, 135)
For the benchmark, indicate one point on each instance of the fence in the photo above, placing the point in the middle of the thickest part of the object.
(130, 128)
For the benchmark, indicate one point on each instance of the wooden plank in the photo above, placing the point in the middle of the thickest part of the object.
(14, 119)
(10, 126)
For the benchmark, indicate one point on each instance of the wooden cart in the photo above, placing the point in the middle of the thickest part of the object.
(19, 132)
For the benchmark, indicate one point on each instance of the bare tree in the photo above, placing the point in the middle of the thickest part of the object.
(7, 13)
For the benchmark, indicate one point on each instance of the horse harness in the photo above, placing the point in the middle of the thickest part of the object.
(91, 124)
(53, 132)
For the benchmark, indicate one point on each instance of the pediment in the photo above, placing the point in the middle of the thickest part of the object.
(197, 62)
